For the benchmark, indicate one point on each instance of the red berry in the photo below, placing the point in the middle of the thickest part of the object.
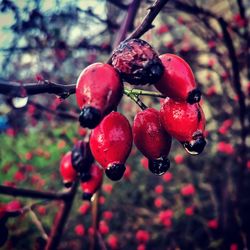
(186, 123)
(213, 224)
(178, 159)
(167, 177)
(159, 189)
(189, 211)
(107, 215)
(83, 209)
(158, 202)
(226, 148)
(142, 236)
(188, 190)
(13, 206)
(112, 242)
(178, 81)
(152, 140)
(98, 91)
(103, 227)
(111, 144)
(107, 188)
(137, 62)
(79, 230)
(67, 171)
(94, 183)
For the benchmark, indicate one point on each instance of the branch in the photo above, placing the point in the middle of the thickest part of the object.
(16, 89)
(118, 4)
(146, 23)
(61, 219)
(61, 114)
(33, 193)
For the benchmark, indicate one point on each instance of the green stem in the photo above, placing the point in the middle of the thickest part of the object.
(135, 98)
(142, 92)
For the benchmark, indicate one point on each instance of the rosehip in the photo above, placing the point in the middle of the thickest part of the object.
(94, 183)
(186, 123)
(98, 91)
(178, 81)
(67, 171)
(137, 62)
(152, 140)
(111, 144)
(82, 159)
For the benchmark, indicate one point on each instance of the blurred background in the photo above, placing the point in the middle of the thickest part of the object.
(203, 201)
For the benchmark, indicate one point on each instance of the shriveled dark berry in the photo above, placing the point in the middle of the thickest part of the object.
(137, 62)
(82, 157)
(115, 171)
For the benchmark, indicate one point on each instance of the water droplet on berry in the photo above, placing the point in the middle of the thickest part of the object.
(19, 102)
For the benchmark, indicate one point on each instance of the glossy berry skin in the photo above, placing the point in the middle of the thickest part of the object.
(82, 159)
(137, 62)
(111, 144)
(98, 91)
(67, 171)
(152, 140)
(185, 122)
(90, 186)
(178, 80)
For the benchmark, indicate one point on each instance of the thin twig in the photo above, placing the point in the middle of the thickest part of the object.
(61, 219)
(38, 224)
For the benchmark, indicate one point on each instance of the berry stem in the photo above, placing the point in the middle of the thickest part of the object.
(135, 98)
(143, 92)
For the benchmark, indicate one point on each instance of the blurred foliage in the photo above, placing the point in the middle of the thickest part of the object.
(190, 207)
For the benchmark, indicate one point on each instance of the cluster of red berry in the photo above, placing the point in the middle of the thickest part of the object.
(99, 90)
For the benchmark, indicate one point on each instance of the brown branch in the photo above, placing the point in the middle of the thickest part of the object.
(33, 193)
(61, 220)
(17, 89)
(146, 23)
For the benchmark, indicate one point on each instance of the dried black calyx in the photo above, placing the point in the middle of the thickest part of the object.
(115, 171)
(67, 184)
(159, 166)
(196, 146)
(81, 157)
(90, 117)
(194, 96)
